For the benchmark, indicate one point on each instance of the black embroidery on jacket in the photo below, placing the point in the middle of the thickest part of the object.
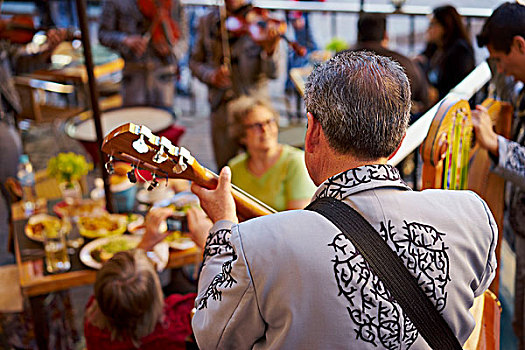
(217, 243)
(338, 186)
(378, 318)
(223, 279)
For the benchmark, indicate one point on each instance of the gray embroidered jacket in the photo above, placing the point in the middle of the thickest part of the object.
(293, 281)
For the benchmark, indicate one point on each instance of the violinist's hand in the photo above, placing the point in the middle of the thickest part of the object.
(55, 36)
(153, 233)
(137, 44)
(221, 78)
(218, 203)
(270, 42)
(199, 225)
(162, 49)
(485, 135)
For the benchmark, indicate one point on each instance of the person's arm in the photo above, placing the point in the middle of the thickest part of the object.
(154, 234)
(227, 315)
(511, 161)
(198, 63)
(110, 36)
(270, 63)
(508, 156)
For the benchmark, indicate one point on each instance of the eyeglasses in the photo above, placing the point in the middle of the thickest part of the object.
(260, 125)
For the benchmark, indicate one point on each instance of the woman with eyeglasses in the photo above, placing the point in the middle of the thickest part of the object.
(272, 172)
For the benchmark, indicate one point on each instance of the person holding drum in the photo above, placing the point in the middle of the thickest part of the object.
(272, 172)
(135, 30)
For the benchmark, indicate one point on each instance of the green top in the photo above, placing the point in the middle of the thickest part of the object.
(286, 180)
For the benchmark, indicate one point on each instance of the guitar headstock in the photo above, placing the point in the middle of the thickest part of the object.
(137, 145)
(140, 147)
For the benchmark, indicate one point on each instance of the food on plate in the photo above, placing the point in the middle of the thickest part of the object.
(106, 251)
(182, 208)
(179, 240)
(81, 208)
(102, 225)
(135, 224)
(40, 223)
(133, 218)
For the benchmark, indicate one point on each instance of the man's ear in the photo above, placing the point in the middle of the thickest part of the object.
(519, 42)
(313, 133)
(398, 147)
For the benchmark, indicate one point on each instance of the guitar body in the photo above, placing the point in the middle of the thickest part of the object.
(449, 162)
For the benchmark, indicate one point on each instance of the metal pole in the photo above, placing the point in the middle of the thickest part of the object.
(93, 94)
(412, 40)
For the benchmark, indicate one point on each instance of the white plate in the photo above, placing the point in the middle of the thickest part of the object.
(185, 243)
(150, 197)
(160, 254)
(180, 199)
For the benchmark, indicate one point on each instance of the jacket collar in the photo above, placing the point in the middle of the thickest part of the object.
(360, 179)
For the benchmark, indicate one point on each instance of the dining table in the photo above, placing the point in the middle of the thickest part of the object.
(36, 282)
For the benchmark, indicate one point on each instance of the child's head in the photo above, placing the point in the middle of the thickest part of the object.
(129, 295)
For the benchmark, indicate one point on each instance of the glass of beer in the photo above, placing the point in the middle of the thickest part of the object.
(57, 259)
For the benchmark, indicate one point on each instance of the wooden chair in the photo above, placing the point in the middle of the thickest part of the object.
(33, 93)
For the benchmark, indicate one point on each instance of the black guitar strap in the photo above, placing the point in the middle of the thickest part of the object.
(390, 270)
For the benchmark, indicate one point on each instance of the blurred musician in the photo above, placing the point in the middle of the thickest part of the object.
(372, 36)
(241, 66)
(504, 36)
(150, 36)
(19, 57)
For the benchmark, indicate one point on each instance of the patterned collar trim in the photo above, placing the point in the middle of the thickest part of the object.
(360, 179)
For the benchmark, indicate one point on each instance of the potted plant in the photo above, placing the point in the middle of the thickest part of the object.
(68, 169)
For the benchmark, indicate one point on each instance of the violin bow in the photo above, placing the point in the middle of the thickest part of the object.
(224, 35)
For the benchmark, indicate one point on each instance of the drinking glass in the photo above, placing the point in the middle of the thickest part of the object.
(57, 259)
(73, 237)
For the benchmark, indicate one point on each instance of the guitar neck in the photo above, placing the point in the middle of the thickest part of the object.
(248, 207)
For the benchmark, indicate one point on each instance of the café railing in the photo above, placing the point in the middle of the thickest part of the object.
(340, 7)
(335, 8)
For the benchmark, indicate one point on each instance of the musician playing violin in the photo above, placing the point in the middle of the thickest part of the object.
(232, 63)
(151, 36)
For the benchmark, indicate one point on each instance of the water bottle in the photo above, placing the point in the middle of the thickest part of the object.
(26, 177)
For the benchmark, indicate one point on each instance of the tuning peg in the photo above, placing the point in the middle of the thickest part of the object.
(140, 145)
(109, 166)
(179, 166)
(153, 184)
(131, 174)
(160, 156)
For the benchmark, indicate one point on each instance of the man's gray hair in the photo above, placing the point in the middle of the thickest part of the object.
(362, 102)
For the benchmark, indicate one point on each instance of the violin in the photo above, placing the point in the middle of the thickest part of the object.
(163, 29)
(19, 29)
(257, 23)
